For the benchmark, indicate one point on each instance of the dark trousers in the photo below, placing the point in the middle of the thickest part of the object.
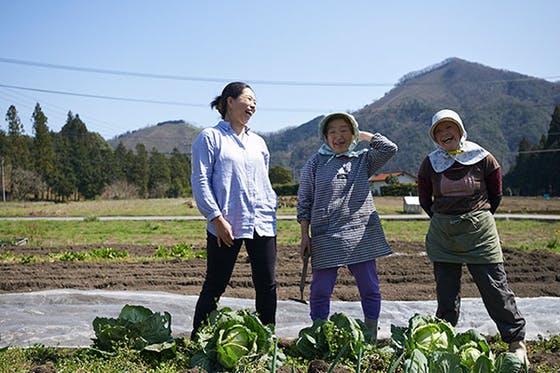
(219, 267)
(496, 295)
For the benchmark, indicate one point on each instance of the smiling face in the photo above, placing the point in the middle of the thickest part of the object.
(241, 109)
(339, 135)
(447, 135)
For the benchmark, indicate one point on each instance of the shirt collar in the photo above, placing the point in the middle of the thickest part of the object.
(226, 126)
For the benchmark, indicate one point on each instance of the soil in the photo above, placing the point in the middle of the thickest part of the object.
(405, 275)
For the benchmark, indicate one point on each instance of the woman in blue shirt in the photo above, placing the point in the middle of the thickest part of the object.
(232, 190)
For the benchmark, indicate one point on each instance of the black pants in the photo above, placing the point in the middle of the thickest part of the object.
(219, 267)
(496, 295)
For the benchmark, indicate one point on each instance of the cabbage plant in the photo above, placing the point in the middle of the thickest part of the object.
(137, 328)
(340, 337)
(429, 344)
(232, 337)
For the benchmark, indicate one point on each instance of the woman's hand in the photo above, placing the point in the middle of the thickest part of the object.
(223, 230)
(305, 246)
(365, 136)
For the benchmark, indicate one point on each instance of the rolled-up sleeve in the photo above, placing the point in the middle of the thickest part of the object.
(201, 177)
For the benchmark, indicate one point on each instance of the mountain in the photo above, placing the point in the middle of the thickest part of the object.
(163, 136)
(498, 107)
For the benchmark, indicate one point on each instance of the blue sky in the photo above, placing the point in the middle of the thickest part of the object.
(174, 57)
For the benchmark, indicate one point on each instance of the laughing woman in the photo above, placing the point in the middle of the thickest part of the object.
(460, 187)
(232, 190)
(339, 223)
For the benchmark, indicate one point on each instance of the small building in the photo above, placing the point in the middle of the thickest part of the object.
(411, 205)
(377, 181)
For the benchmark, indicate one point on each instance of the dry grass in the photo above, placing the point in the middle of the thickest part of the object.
(186, 206)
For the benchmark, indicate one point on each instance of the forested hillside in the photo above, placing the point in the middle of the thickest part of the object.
(499, 109)
(504, 111)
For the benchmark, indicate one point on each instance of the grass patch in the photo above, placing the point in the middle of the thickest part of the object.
(187, 207)
(181, 251)
(523, 234)
(66, 360)
(529, 234)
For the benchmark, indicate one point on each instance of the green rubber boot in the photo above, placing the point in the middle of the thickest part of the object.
(371, 325)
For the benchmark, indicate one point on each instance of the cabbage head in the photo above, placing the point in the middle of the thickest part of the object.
(428, 333)
(234, 343)
(471, 345)
(233, 337)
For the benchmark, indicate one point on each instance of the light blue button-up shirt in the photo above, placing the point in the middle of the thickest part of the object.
(230, 178)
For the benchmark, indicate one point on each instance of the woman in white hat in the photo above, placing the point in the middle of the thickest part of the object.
(460, 187)
(339, 223)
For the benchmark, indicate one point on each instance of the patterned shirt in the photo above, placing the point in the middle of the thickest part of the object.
(230, 178)
(334, 195)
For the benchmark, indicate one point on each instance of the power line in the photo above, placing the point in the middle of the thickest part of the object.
(188, 78)
(142, 100)
(100, 96)
(225, 80)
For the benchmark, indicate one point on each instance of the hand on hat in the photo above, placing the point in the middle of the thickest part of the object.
(365, 136)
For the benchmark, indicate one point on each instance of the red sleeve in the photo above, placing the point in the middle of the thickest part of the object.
(425, 188)
(494, 183)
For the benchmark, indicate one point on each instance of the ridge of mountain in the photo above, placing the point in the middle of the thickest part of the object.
(499, 109)
(164, 136)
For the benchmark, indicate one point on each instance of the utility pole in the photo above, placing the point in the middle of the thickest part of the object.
(3, 184)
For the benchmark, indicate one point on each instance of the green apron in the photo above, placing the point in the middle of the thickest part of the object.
(468, 238)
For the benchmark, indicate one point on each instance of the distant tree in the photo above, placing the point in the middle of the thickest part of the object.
(18, 146)
(180, 167)
(536, 167)
(139, 170)
(517, 178)
(120, 189)
(43, 152)
(83, 156)
(159, 174)
(25, 184)
(63, 181)
(280, 175)
(551, 155)
(15, 126)
(123, 160)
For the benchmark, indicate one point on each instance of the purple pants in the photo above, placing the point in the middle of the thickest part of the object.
(322, 286)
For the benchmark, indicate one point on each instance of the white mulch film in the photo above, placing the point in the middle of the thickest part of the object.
(64, 318)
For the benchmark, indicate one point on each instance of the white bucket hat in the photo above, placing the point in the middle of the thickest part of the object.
(450, 115)
(349, 117)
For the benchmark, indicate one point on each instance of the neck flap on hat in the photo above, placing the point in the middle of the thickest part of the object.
(326, 150)
(467, 154)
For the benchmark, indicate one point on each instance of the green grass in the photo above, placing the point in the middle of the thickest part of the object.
(69, 360)
(524, 234)
(105, 233)
(66, 360)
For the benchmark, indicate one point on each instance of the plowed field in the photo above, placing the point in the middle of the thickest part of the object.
(405, 275)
